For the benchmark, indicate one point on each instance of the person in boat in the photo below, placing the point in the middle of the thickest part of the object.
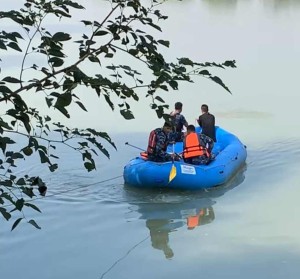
(178, 121)
(157, 144)
(207, 122)
(197, 148)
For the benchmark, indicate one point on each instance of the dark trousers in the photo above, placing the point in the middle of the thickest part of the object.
(198, 160)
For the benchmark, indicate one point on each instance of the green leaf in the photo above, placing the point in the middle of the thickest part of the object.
(14, 46)
(53, 156)
(5, 89)
(164, 87)
(127, 114)
(230, 63)
(90, 42)
(186, 61)
(4, 125)
(100, 33)
(56, 52)
(17, 155)
(173, 84)
(43, 157)
(33, 223)
(94, 59)
(6, 140)
(109, 55)
(133, 51)
(49, 102)
(21, 181)
(63, 100)
(3, 147)
(27, 151)
(16, 223)
(28, 191)
(154, 26)
(220, 82)
(104, 49)
(69, 84)
(6, 183)
(16, 35)
(74, 5)
(2, 45)
(61, 36)
(19, 204)
(33, 206)
(5, 214)
(86, 22)
(64, 112)
(89, 166)
(56, 62)
(159, 99)
(165, 43)
(53, 167)
(204, 72)
(11, 80)
(81, 105)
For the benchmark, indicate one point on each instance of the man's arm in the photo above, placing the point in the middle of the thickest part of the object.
(184, 122)
(199, 121)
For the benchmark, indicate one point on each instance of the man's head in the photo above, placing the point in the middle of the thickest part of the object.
(204, 108)
(178, 106)
(190, 129)
(167, 128)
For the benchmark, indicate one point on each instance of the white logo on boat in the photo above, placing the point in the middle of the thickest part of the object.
(188, 169)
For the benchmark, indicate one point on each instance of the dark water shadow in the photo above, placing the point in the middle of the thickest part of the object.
(167, 211)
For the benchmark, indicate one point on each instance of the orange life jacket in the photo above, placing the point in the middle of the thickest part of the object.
(144, 155)
(193, 147)
(152, 142)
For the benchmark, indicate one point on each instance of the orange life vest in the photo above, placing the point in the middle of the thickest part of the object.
(144, 155)
(193, 147)
(152, 142)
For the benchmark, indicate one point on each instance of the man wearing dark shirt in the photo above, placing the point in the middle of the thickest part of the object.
(178, 121)
(207, 122)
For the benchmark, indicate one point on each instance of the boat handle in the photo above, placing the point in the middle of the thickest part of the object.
(235, 158)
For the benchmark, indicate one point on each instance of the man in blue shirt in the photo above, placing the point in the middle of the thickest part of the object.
(158, 143)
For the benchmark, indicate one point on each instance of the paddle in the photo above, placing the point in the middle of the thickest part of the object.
(126, 143)
(173, 171)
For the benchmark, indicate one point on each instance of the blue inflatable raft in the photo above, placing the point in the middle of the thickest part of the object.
(230, 156)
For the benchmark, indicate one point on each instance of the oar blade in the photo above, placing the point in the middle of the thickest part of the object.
(173, 173)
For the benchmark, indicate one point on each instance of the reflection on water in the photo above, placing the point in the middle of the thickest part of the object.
(232, 4)
(160, 228)
(222, 4)
(278, 4)
(165, 212)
